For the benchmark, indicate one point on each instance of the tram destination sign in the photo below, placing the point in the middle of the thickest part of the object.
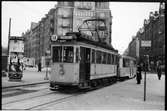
(65, 37)
(62, 38)
(146, 43)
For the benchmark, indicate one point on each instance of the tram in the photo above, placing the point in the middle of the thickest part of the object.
(127, 67)
(79, 61)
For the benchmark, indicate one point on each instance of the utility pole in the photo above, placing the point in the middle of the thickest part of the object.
(9, 34)
(8, 44)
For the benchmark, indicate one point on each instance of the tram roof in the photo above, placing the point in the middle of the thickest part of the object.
(80, 38)
(129, 57)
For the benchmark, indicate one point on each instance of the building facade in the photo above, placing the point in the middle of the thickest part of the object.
(153, 30)
(64, 17)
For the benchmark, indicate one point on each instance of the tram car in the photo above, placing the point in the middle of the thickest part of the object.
(127, 67)
(82, 63)
(77, 60)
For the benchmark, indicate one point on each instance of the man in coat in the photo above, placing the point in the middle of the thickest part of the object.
(159, 72)
(138, 74)
(39, 67)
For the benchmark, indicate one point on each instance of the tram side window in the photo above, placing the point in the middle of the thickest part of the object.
(68, 54)
(109, 59)
(93, 56)
(77, 55)
(104, 57)
(98, 57)
(125, 62)
(57, 52)
(116, 59)
(112, 59)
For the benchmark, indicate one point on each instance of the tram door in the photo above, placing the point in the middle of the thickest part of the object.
(84, 64)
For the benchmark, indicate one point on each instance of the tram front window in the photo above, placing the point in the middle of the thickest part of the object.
(68, 54)
(63, 54)
(57, 52)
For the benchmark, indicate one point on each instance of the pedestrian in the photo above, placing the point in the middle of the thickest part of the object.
(159, 72)
(39, 67)
(138, 74)
(18, 65)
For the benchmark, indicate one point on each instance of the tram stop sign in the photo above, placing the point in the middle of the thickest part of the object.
(146, 43)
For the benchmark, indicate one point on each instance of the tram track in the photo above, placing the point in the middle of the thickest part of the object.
(49, 98)
(61, 100)
(26, 98)
(46, 99)
(24, 85)
(57, 101)
(73, 93)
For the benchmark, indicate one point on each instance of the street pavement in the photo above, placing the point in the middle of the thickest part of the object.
(126, 95)
(30, 76)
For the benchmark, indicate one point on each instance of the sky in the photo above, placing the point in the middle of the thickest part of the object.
(128, 17)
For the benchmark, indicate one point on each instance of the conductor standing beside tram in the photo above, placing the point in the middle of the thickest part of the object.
(138, 74)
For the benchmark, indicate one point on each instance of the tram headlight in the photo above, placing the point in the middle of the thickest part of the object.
(21, 69)
(61, 72)
(13, 68)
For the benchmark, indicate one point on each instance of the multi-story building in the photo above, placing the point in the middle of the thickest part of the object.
(64, 17)
(154, 31)
(133, 48)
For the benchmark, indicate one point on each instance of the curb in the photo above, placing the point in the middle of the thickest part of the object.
(25, 84)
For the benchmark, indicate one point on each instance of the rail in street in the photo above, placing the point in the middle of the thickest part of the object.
(127, 94)
(38, 97)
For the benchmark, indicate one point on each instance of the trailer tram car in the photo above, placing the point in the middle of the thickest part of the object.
(127, 67)
(79, 62)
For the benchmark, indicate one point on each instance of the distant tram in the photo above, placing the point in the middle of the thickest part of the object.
(127, 67)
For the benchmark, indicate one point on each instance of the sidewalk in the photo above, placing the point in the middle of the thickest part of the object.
(126, 95)
(30, 76)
